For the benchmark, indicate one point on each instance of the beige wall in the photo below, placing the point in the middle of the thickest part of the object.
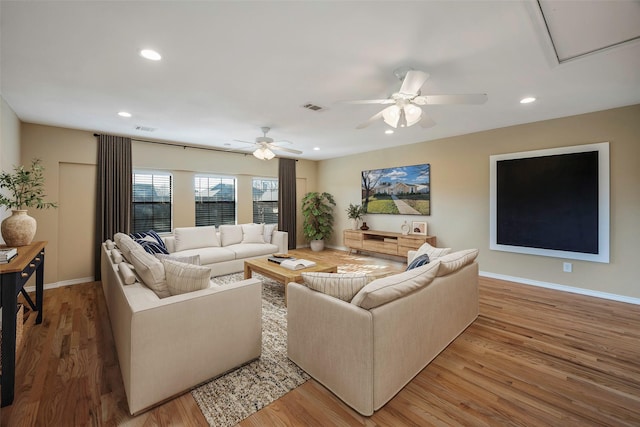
(9, 144)
(69, 157)
(460, 194)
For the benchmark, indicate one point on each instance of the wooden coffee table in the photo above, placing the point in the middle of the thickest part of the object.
(281, 274)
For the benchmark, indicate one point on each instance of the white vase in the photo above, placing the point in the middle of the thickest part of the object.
(355, 223)
(19, 229)
(317, 245)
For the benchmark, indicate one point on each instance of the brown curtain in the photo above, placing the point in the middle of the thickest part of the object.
(287, 206)
(113, 195)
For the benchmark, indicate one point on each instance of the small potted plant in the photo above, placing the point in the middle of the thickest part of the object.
(317, 210)
(355, 213)
(23, 188)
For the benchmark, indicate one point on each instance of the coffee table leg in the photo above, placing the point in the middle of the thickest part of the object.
(247, 272)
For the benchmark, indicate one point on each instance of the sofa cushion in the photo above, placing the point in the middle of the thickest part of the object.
(183, 277)
(209, 255)
(387, 289)
(195, 237)
(248, 250)
(190, 259)
(230, 234)
(343, 286)
(431, 251)
(418, 261)
(252, 233)
(126, 244)
(151, 271)
(268, 232)
(455, 261)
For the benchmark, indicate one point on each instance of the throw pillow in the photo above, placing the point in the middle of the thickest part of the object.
(126, 244)
(455, 261)
(183, 278)
(151, 272)
(230, 234)
(390, 288)
(268, 232)
(431, 251)
(148, 235)
(150, 246)
(195, 237)
(252, 233)
(338, 285)
(418, 261)
(191, 259)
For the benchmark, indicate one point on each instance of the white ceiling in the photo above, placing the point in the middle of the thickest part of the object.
(229, 68)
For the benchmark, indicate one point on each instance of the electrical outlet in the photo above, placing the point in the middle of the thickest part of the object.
(567, 267)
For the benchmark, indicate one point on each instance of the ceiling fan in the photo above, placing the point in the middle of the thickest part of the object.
(265, 146)
(406, 105)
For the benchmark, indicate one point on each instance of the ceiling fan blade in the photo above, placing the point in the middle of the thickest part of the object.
(288, 150)
(372, 119)
(426, 121)
(413, 81)
(245, 142)
(472, 98)
(370, 101)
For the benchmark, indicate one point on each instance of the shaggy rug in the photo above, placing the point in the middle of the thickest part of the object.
(229, 399)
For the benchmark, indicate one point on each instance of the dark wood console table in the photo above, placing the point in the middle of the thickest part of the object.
(13, 277)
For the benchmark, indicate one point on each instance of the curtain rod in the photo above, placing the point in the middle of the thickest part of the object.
(185, 146)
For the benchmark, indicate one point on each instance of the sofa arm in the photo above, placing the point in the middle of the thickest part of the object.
(183, 340)
(281, 239)
(339, 357)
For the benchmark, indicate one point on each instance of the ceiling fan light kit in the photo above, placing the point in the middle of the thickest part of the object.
(264, 154)
(406, 110)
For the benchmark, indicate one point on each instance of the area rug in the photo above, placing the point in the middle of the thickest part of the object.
(229, 399)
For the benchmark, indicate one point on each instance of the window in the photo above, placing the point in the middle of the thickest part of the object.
(215, 200)
(265, 200)
(151, 204)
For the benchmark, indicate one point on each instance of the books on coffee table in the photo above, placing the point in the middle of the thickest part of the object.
(297, 264)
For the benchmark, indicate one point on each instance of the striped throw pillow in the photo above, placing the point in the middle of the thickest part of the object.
(418, 261)
(183, 277)
(338, 285)
(150, 241)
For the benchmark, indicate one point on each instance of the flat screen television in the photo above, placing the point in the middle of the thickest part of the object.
(552, 202)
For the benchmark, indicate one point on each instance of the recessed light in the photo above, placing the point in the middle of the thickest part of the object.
(527, 100)
(150, 54)
(124, 114)
(388, 131)
(316, 148)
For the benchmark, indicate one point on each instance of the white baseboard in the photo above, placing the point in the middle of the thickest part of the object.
(62, 283)
(563, 288)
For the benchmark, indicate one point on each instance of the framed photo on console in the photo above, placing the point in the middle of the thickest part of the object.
(419, 227)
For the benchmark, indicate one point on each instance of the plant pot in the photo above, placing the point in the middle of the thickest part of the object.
(317, 245)
(19, 229)
(356, 222)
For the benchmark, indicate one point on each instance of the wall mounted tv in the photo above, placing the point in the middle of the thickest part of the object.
(552, 202)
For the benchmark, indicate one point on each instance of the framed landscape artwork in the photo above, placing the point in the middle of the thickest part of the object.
(404, 190)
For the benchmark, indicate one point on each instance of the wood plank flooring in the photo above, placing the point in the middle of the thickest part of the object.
(533, 357)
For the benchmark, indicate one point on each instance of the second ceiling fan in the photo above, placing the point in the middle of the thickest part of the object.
(265, 146)
(405, 109)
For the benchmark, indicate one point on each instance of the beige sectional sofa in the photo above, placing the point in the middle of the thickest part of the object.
(168, 345)
(225, 248)
(367, 348)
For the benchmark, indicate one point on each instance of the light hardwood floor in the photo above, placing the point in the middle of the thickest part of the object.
(533, 357)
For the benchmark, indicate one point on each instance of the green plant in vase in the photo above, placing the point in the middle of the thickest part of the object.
(23, 188)
(317, 211)
(355, 213)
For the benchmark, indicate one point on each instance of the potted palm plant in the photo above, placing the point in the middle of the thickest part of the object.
(317, 210)
(355, 213)
(23, 188)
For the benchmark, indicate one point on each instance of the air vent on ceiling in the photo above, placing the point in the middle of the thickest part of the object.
(312, 107)
(145, 128)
